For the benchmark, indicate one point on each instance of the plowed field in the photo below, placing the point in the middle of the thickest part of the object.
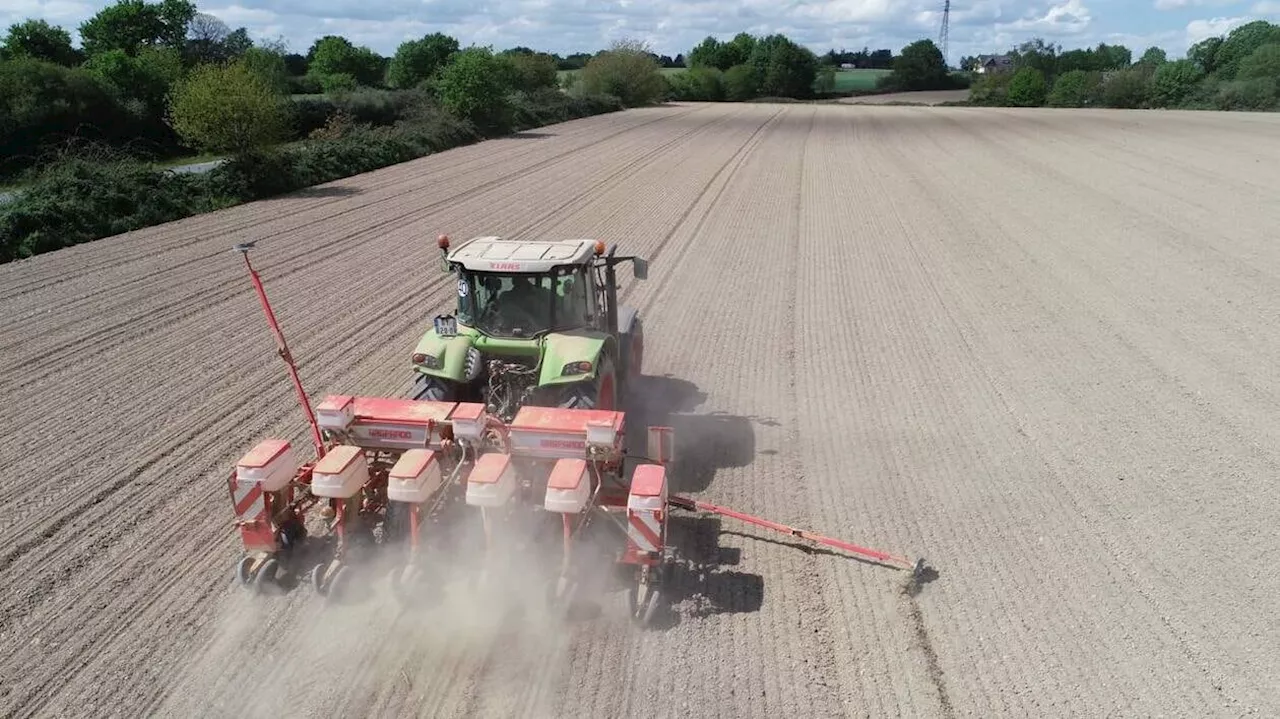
(1035, 347)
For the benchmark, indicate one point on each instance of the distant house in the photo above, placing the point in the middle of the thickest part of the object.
(993, 63)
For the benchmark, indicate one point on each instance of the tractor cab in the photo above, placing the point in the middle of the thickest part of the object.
(535, 322)
(523, 305)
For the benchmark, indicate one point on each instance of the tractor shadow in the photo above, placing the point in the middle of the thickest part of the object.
(705, 442)
(702, 582)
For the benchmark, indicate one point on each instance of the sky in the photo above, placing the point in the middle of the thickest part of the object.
(675, 26)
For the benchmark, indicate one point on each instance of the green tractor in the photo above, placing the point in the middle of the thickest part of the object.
(537, 323)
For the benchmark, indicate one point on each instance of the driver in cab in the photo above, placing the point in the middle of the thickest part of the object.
(526, 292)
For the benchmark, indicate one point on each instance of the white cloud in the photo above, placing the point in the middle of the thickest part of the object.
(1266, 7)
(58, 12)
(1171, 41)
(236, 16)
(1068, 17)
(844, 11)
(1198, 30)
(1180, 4)
(1065, 18)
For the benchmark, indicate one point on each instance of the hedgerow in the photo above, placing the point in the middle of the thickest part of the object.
(82, 198)
(1237, 71)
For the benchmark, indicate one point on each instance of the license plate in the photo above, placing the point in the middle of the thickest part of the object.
(446, 326)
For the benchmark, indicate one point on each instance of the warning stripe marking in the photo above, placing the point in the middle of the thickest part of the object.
(249, 502)
(644, 531)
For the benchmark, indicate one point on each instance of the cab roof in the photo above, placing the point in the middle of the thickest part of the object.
(495, 254)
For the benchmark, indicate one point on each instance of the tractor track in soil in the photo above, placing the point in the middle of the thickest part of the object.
(1023, 344)
(532, 701)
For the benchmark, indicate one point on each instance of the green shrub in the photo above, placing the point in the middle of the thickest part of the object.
(527, 112)
(418, 61)
(697, 84)
(311, 113)
(228, 108)
(825, 82)
(304, 85)
(369, 106)
(1076, 88)
(78, 200)
(627, 71)
(741, 83)
(1173, 82)
(783, 67)
(991, 89)
(378, 107)
(1256, 94)
(548, 106)
(251, 175)
(1204, 96)
(1263, 63)
(270, 66)
(1125, 89)
(920, 66)
(146, 77)
(333, 57)
(527, 71)
(1240, 43)
(472, 87)
(337, 82)
(1028, 88)
(43, 105)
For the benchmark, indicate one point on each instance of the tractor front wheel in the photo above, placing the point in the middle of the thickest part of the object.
(431, 389)
(600, 393)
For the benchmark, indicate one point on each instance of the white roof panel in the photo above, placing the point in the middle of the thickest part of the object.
(495, 254)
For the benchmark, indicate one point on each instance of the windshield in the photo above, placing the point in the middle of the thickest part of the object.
(522, 305)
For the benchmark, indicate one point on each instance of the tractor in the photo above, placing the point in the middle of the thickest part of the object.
(536, 323)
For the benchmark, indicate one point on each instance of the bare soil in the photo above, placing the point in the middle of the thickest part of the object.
(1032, 346)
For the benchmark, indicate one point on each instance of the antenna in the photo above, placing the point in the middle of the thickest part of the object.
(944, 34)
(283, 349)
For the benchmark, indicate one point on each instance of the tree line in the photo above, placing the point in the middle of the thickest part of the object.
(747, 67)
(81, 127)
(1236, 71)
(117, 89)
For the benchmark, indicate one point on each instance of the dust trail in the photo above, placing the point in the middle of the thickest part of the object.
(471, 640)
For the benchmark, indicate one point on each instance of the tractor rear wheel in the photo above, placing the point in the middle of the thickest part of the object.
(635, 352)
(431, 389)
(600, 393)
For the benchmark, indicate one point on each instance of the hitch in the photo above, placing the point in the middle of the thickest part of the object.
(916, 567)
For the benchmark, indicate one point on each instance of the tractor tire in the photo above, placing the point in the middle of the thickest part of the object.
(431, 389)
(600, 393)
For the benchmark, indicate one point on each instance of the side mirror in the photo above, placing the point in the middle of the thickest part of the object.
(640, 268)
